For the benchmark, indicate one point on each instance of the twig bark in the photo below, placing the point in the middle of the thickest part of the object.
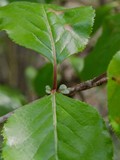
(5, 117)
(97, 81)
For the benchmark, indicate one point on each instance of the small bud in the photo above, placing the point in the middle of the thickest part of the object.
(63, 89)
(48, 89)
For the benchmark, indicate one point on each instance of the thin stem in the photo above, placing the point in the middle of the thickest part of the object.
(97, 81)
(53, 52)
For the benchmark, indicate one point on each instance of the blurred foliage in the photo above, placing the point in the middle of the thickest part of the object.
(77, 64)
(30, 74)
(107, 45)
(39, 1)
(10, 99)
(116, 147)
(113, 88)
(38, 79)
(101, 13)
(43, 77)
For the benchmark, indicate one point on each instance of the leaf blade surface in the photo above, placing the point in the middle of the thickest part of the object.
(113, 89)
(73, 130)
(53, 31)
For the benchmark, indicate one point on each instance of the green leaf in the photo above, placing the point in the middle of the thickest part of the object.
(56, 128)
(78, 64)
(10, 99)
(101, 13)
(53, 31)
(113, 88)
(30, 74)
(1, 140)
(97, 61)
(43, 77)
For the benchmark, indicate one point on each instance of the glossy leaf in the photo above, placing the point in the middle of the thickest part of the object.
(53, 31)
(97, 61)
(56, 128)
(113, 88)
(10, 99)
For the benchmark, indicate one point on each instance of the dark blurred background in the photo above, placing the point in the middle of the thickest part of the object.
(24, 73)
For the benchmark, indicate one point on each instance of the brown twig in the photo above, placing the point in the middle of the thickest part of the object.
(97, 81)
(5, 117)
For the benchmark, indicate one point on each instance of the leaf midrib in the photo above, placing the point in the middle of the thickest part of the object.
(53, 96)
(55, 125)
(51, 36)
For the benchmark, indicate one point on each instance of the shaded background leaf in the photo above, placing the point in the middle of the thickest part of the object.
(101, 13)
(10, 99)
(78, 64)
(113, 88)
(44, 77)
(97, 61)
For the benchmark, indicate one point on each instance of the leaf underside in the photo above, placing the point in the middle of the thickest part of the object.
(113, 88)
(53, 31)
(56, 128)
